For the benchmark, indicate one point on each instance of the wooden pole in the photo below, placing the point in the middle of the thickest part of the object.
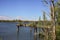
(18, 27)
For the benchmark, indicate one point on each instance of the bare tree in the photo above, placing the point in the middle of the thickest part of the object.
(52, 9)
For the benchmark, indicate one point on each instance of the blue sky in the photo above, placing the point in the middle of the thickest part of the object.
(22, 9)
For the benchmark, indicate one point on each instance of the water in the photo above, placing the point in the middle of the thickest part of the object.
(8, 31)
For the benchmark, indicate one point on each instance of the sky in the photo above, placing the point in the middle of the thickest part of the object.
(22, 9)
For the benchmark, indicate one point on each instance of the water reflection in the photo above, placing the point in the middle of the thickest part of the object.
(17, 35)
(17, 32)
(1, 38)
(8, 32)
(35, 37)
(30, 33)
(35, 31)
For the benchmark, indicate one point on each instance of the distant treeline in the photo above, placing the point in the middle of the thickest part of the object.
(10, 20)
(27, 22)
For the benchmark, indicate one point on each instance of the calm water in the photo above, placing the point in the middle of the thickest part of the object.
(8, 31)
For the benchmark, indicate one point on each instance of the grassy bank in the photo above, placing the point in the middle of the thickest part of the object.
(58, 32)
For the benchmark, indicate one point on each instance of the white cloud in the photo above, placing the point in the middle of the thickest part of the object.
(26, 18)
(5, 18)
(18, 18)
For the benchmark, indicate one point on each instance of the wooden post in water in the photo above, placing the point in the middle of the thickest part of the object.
(35, 35)
(35, 29)
(35, 32)
(17, 27)
(35, 26)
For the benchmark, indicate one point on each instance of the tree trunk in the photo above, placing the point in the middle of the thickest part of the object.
(53, 20)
